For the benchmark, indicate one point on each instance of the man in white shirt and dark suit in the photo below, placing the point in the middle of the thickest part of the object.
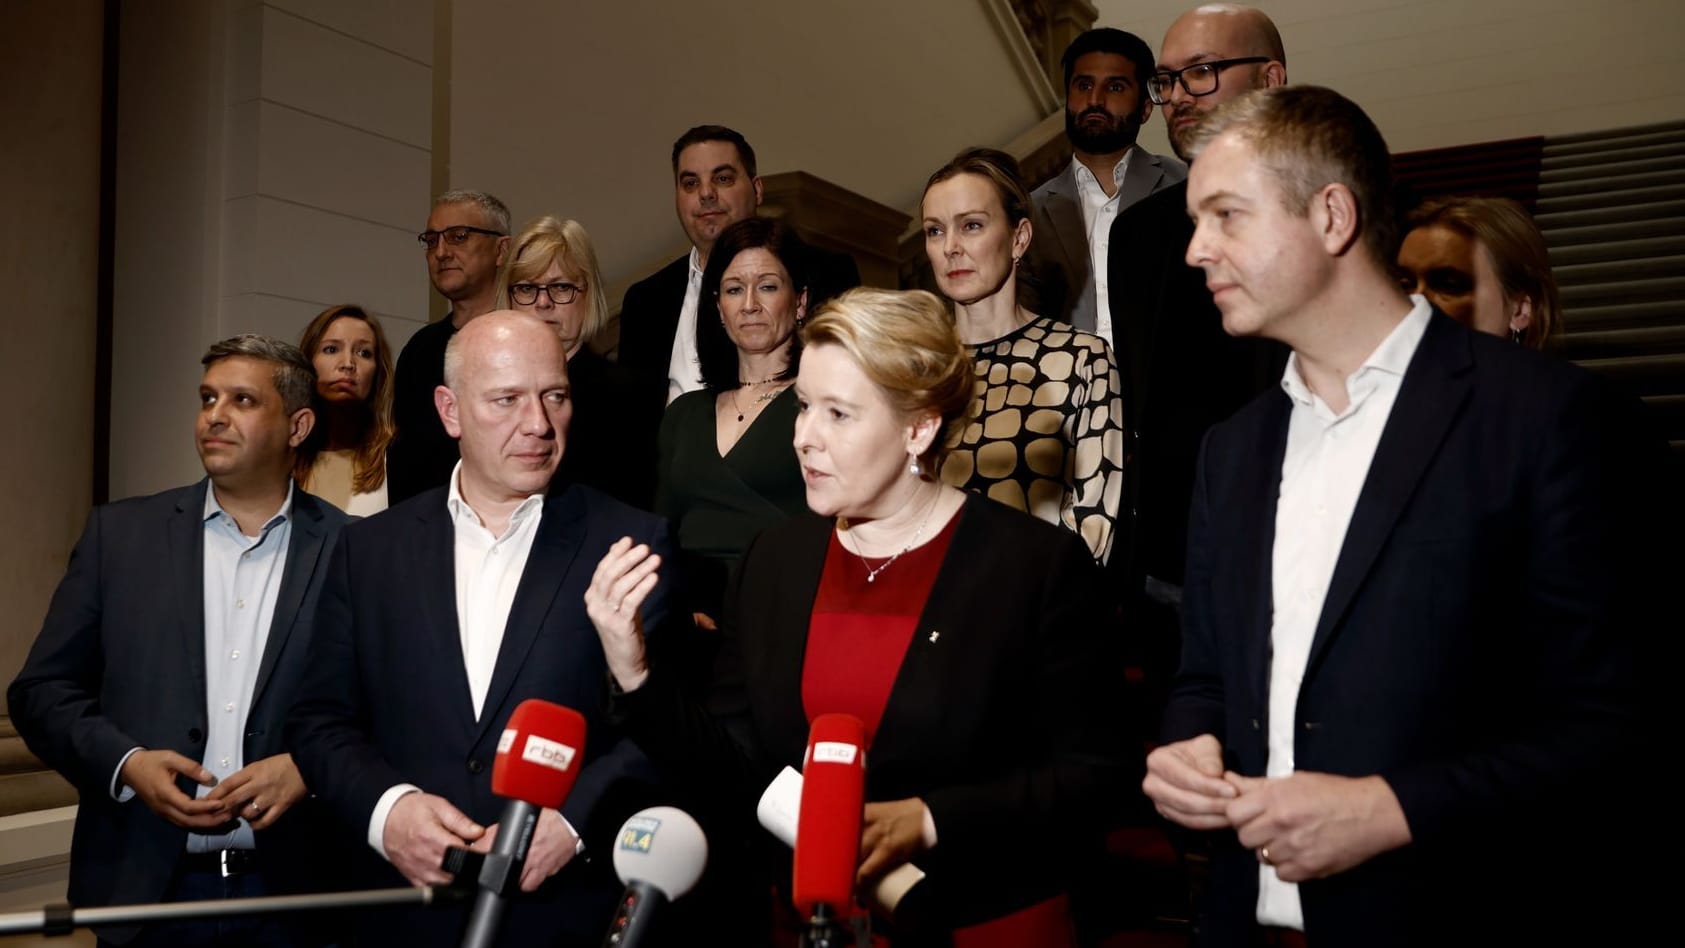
(1106, 102)
(1415, 583)
(168, 661)
(443, 614)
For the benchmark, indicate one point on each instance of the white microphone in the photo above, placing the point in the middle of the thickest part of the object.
(659, 855)
(779, 813)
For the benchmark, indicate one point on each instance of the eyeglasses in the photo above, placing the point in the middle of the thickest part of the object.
(561, 294)
(455, 236)
(1197, 80)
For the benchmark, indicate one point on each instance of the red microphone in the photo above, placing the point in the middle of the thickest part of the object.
(538, 760)
(828, 824)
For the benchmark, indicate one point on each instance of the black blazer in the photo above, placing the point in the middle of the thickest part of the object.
(649, 314)
(120, 663)
(1181, 374)
(1474, 650)
(387, 702)
(1003, 724)
(422, 455)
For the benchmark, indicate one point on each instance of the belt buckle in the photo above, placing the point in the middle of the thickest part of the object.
(222, 863)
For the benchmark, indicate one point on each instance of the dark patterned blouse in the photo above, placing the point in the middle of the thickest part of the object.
(1046, 434)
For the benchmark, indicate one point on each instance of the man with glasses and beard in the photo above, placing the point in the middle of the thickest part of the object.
(1106, 73)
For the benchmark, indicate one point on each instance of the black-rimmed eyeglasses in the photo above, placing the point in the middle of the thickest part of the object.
(455, 236)
(526, 294)
(1197, 80)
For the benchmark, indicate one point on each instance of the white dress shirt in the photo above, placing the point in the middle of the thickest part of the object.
(684, 368)
(1098, 213)
(240, 586)
(488, 571)
(1326, 462)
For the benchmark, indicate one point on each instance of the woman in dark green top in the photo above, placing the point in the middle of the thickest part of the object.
(727, 468)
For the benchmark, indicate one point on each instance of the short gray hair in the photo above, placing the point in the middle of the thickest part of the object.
(295, 378)
(496, 211)
(453, 360)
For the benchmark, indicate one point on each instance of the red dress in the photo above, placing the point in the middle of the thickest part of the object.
(856, 639)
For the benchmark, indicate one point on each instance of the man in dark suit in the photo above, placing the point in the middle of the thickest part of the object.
(1181, 372)
(1066, 267)
(714, 186)
(442, 615)
(1412, 588)
(170, 656)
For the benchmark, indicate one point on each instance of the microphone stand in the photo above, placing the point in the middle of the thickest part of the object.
(62, 919)
(826, 930)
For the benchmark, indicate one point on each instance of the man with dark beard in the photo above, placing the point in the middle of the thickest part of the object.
(1106, 73)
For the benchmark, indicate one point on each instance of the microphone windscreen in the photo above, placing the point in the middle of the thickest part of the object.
(663, 847)
(540, 754)
(832, 806)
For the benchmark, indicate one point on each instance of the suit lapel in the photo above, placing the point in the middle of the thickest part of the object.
(554, 550)
(433, 586)
(784, 648)
(1258, 502)
(186, 533)
(1432, 395)
(304, 549)
(1143, 177)
(1065, 212)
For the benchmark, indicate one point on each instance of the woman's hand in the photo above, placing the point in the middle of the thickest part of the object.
(893, 833)
(618, 588)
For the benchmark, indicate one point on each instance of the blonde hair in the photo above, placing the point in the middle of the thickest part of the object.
(369, 465)
(1506, 233)
(550, 240)
(904, 341)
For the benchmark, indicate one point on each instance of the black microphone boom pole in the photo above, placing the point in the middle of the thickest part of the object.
(500, 875)
(63, 919)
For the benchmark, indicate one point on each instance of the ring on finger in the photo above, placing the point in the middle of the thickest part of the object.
(1264, 856)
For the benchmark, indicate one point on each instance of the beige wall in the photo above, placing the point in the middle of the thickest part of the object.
(50, 55)
(572, 108)
(273, 160)
(1433, 73)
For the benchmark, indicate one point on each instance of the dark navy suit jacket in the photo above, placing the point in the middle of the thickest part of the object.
(387, 701)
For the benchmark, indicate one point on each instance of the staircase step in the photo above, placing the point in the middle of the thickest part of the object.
(1616, 169)
(1619, 291)
(1601, 183)
(1643, 375)
(1659, 246)
(1624, 315)
(1554, 162)
(1634, 137)
(1599, 343)
(1559, 235)
(1628, 268)
(1618, 197)
(1673, 211)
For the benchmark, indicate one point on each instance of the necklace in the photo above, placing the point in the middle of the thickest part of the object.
(871, 571)
(766, 396)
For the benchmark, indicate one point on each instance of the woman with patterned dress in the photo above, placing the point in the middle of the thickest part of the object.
(1047, 433)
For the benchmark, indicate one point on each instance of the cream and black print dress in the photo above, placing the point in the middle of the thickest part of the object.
(1046, 434)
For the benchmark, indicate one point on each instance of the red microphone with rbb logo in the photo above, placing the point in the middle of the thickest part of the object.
(828, 826)
(538, 759)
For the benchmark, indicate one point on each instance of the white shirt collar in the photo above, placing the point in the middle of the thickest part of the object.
(1086, 178)
(214, 509)
(1391, 357)
(461, 512)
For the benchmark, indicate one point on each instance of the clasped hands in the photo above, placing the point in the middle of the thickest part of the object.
(421, 826)
(1307, 825)
(260, 792)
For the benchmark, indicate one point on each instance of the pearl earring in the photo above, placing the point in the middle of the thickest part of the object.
(914, 468)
